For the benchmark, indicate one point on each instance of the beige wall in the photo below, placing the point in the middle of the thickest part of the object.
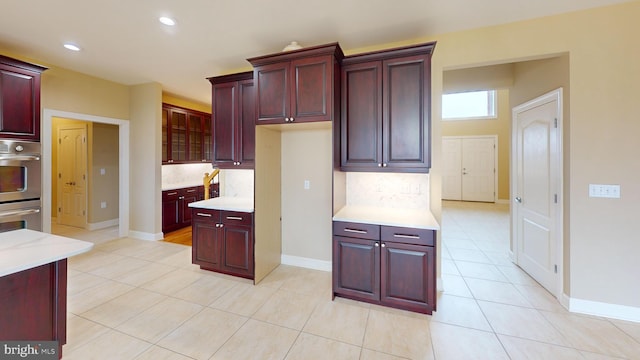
(185, 103)
(306, 214)
(104, 154)
(145, 161)
(500, 126)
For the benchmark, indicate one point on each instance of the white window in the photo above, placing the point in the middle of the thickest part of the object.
(473, 105)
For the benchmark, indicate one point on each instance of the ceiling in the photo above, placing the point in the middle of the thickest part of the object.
(123, 41)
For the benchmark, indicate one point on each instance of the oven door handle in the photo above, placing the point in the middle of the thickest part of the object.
(19, 212)
(20, 157)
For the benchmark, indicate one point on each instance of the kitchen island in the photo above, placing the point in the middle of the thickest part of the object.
(33, 285)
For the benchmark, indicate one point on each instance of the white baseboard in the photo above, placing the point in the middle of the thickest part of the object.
(303, 262)
(613, 311)
(103, 224)
(145, 236)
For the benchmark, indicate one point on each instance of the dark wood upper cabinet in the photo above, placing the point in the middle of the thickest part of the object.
(386, 109)
(19, 99)
(297, 86)
(186, 135)
(233, 109)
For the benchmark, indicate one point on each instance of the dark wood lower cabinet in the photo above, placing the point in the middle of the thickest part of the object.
(222, 241)
(33, 304)
(391, 266)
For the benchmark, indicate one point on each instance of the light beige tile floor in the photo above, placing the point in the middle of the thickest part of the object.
(133, 299)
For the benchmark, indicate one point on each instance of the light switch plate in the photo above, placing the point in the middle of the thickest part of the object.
(604, 191)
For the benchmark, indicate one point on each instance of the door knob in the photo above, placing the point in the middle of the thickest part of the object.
(518, 199)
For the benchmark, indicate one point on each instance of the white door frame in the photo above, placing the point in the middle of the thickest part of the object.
(495, 158)
(550, 96)
(123, 148)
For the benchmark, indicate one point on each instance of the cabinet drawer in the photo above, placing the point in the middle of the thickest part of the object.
(171, 194)
(356, 230)
(205, 214)
(237, 218)
(407, 235)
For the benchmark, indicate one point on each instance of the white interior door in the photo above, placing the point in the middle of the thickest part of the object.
(72, 176)
(536, 188)
(478, 169)
(469, 168)
(452, 174)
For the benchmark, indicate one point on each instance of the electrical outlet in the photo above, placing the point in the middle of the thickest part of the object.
(604, 191)
(103, 205)
(103, 171)
(307, 184)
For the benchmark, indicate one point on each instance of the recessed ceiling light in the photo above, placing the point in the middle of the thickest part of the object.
(71, 47)
(167, 21)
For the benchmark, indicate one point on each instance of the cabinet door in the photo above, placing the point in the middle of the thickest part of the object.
(224, 109)
(247, 124)
(194, 126)
(272, 93)
(170, 211)
(407, 276)
(311, 89)
(206, 138)
(406, 104)
(238, 250)
(356, 268)
(361, 126)
(19, 103)
(165, 135)
(189, 195)
(206, 239)
(178, 128)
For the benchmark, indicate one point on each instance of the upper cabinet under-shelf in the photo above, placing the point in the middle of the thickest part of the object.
(385, 118)
(186, 135)
(298, 86)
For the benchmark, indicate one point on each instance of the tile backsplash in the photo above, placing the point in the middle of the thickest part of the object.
(388, 190)
(184, 175)
(236, 183)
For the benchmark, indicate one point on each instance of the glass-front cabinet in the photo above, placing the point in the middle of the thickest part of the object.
(186, 135)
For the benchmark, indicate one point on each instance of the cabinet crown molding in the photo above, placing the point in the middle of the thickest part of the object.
(247, 75)
(419, 49)
(328, 49)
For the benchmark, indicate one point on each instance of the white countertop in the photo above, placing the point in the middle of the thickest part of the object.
(25, 249)
(414, 218)
(225, 203)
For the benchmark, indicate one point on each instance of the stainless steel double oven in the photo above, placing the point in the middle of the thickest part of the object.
(20, 185)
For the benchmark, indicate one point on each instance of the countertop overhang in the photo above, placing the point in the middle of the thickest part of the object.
(26, 249)
(414, 218)
(228, 203)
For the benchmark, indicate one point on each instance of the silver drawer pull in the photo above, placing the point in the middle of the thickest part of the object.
(172, 193)
(406, 236)
(19, 212)
(234, 218)
(192, 190)
(355, 231)
(203, 214)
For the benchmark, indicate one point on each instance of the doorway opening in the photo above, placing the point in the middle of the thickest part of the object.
(123, 164)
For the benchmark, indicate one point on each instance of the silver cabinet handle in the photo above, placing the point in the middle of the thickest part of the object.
(380, 165)
(234, 218)
(192, 190)
(203, 214)
(384, 164)
(291, 119)
(376, 245)
(518, 199)
(19, 212)
(355, 231)
(383, 245)
(402, 236)
(172, 193)
(20, 157)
